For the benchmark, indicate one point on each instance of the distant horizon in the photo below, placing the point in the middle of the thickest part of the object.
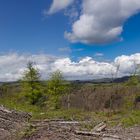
(94, 80)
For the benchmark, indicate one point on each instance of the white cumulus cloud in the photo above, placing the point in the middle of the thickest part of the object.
(58, 5)
(13, 65)
(102, 21)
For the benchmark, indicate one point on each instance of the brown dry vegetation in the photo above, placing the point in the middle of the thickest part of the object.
(91, 97)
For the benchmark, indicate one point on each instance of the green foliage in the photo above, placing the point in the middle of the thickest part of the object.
(56, 84)
(129, 103)
(29, 131)
(131, 119)
(133, 81)
(56, 87)
(31, 84)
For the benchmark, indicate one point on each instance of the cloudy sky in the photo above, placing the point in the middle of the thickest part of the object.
(85, 39)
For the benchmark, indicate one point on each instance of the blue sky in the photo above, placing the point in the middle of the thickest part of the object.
(24, 29)
(85, 39)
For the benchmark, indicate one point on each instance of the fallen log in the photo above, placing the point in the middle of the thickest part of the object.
(111, 136)
(100, 127)
(87, 133)
(95, 134)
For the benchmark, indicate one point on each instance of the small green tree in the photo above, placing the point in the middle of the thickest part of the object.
(55, 83)
(134, 79)
(56, 87)
(31, 84)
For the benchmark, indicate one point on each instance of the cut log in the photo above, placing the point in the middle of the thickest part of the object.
(87, 133)
(100, 127)
(68, 122)
(113, 137)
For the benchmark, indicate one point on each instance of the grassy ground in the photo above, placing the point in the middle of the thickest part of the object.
(127, 118)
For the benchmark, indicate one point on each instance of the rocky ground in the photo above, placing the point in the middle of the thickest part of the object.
(15, 126)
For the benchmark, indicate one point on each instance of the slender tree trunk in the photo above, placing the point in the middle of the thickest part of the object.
(68, 101)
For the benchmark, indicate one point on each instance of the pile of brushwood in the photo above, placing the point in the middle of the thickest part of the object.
(11, 123)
